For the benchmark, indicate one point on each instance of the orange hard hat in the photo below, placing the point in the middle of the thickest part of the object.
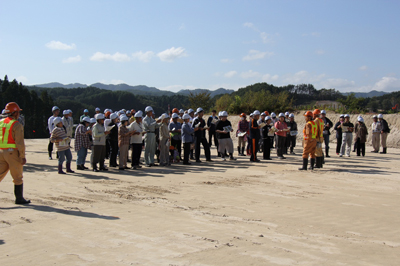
(308, 113)
(316, 112)
(12, 107)
(266, 113)
(107, 114)
(175, 110)
(242, 115)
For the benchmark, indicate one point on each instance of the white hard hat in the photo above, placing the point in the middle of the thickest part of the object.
(281, 115)
(106, 110)
(219, 113)
(181, 111)
(175, 115)
(287, 113)
(57, 120)
(190, 111)
(97, 109)
(3, 112)
(273, 115)
(86, 119)
(128, 112)
(224, 113)
(347, 115)
(267, 118)
(263, 114)
(148, 109)
(291, 115)
(92, 120)
(113, 116)
(99, 116)
(123, 118)
(380, 116)
(118, 113)
(256, 112)
(360, 119)
(186, 116)
(199, 110)
(86, 111)
(55, 108)
(195, 113)
(342, 115)
(139, 114)
(70, 111)
(374, 116)
(251, 114)
(323, 112)
(65, 112)
(165, 115)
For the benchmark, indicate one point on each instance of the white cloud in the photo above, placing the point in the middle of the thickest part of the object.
(22, 79)
(250, 74)
(266, 38)
(57, 45)
(320, 52)
(226, 60)
(117, 57)
(143, 56)
(337, 83)
(73, 59)
(230, 74)
(387, 84)
(171, 54)
(269, 78)
(363, 68)
(302, 77)
(255, 55)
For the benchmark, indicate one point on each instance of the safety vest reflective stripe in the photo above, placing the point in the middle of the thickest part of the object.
(314, 129)
(6, 139)
(321, 126)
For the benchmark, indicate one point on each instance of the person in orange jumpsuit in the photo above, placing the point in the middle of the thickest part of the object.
(12, 150)
(319, 154)
(309, 140)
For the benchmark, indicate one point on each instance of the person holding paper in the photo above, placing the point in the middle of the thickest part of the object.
(149, 126)
(384, 133)
(254, 136)
(282, 129)
(175, 129)
(292, 134)
(212, 120)
(327, 126)
(187, 137)
(50, 126)
(82, 143)
(376, 133)
(268, 138)
(165, 142)
(200, 136)
(242, 133)
(361, 133)
(338, 128)
(223, 129)
(347, 136)
(113, 139)
(60, 138)
(99, 134)
(124, 136)
(136, 139)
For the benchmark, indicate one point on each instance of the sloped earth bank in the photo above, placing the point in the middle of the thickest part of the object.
(219, 213)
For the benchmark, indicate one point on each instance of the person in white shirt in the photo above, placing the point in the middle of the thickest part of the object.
(50, 126)
(67, 123)
(136, 139)
(376, 134)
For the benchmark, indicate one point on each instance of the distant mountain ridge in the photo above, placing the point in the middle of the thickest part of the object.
(370, 94)
(138, 89)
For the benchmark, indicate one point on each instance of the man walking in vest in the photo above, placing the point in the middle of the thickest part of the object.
(12, 150)
(309, 140)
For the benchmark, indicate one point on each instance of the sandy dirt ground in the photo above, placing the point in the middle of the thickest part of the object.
(218, 213)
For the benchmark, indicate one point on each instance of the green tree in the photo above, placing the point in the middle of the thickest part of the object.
(202, 99)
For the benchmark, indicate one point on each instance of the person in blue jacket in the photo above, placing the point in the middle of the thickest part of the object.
(187, 137)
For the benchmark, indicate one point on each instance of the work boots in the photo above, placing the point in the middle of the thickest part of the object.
(305, 163)
(239, 151)
(312, 163)
(69, 170)
(327, 153)
(95, 167)
(384, 151)
(243, 152)
(60, 171)
(18, 192)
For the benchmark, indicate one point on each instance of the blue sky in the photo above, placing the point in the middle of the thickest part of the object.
(173, 45)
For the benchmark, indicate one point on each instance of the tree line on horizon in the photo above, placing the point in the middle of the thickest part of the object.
(37, 102)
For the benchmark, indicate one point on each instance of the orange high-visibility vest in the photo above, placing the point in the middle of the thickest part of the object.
(6, 139)
(321, 127)
(314, 129)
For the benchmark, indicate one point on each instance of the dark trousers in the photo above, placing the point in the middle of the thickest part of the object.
(267, 145)
(50, 147)
(136, 152)
(206, 147)
(178, 145)
(253, 148)
(281, 145)
(211, 135)
(360, 148)
(113, 152)
(99, 154)
(186, 152)
(326, 141)
(338, 144)
(292, 142)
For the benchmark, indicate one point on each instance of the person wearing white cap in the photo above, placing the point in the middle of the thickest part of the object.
(187, 137)
(50, 126)
(268, 138)
(384, 132)
(113, 139)
(175, 129)
(97, 110)
(165, 141)
(82, 143)
(99, 143)
(85, 114)
(361, 133)
(338, 128)
(200, 136)
(223, 128)
(282, 129)
(326, 132)
(287, 117)
(124, 136)
(347, 136)
(292, 134)
(67, 123)
(60, 138)
(254, 136)
(376, 133)
(136, 139)
(149, 126)
(211, 121)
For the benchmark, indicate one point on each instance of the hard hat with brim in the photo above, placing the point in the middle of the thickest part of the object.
(57, 120)
(139, 114)
(99, 117)
(186, 116)
(86, 119)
